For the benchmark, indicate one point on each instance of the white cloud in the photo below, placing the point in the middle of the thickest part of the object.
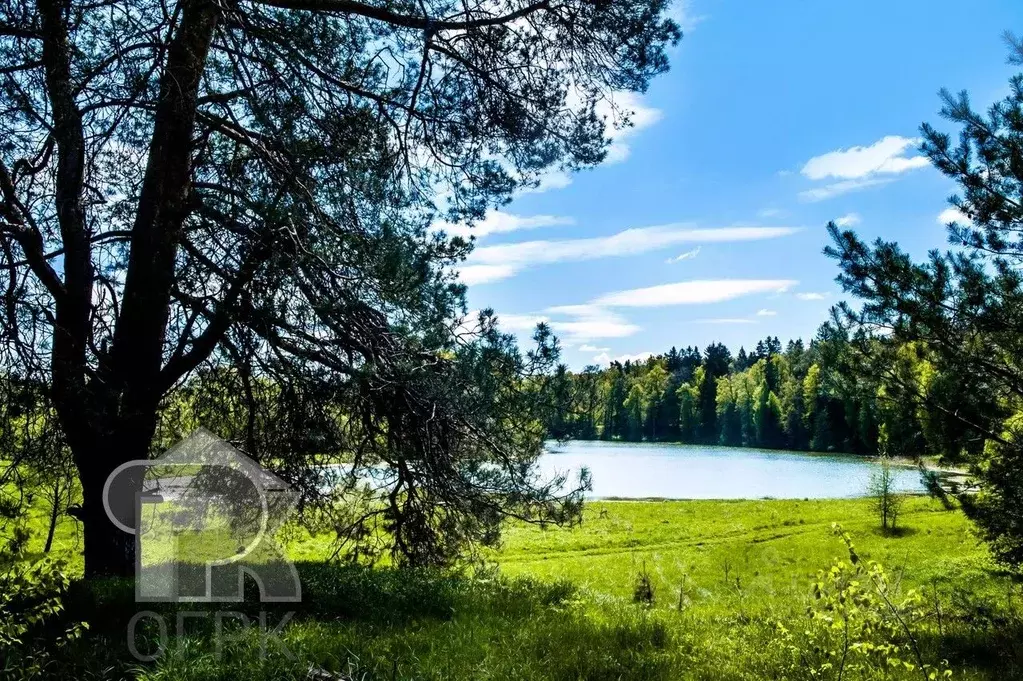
(591, 323)
(811, 296)
(604, 358)
(684, 256)
(639, 115)
(497, 222)
(771, 213)
(766, 313)
(505, 260)
(848, 220)
(693, 292)
(554, 179)
(884, 156)
(614, 110)
(860, 167)
(953, 215)
(576, 310)
(572, 324)
(482, 274)
(467, 324)
(519, 322)
(726, 320)
(838, 188)
(597, 319)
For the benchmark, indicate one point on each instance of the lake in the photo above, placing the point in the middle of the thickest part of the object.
(674, 471)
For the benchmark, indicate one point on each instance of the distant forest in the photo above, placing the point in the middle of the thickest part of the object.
(800, 396)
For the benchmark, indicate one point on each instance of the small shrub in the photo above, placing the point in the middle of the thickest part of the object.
(860, 625)
(643, 592)
(886, 501)
(32, 627)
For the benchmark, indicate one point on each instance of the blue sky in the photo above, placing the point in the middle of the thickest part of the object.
(707, 222)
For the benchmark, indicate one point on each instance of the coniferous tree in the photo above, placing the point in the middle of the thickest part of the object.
(193, 185)
(965, 308)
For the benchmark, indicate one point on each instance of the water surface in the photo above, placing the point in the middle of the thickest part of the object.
(639, 470)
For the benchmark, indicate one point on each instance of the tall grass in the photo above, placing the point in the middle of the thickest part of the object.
(726, 577)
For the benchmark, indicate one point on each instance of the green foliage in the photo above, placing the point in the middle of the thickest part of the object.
(996, 505)
(796, 398)
(453, 445)
(860, 625)
(282, 183)
(949, 364)
(561, 608)
(33, 630)
(886, 501)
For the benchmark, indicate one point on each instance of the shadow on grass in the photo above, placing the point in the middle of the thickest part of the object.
(339, 592)
(383, 621)
(895, 533)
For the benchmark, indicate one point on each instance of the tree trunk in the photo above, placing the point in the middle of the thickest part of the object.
(54, 512)
(108, 551)
(131, 385)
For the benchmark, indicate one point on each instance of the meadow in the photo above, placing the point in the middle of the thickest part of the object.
(639, 590)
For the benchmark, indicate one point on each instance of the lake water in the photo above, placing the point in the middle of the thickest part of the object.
(638, 470)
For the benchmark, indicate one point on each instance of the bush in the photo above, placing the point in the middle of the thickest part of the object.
(643, 592)
(860, 625)
(887, 502)
(32, 628)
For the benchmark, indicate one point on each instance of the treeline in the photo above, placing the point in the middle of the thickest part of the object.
(800, 396)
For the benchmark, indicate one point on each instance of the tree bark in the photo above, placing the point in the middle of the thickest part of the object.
(116, 421)
(108, 551)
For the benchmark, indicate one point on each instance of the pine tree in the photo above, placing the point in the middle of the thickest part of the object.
(965, 305)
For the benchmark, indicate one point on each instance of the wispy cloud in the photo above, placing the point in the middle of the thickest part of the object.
(848, 220)
(580, 323)
(639, 115)
(766, 313)
(498, 222)
(860, 167)
(693, 292)
(771, 213)
(482, 274)
(681, 12)
(953, 215)
(599, 319)
(811, 296)
(620, 107)
(726, 320)
(887, 155)
(554, 179)
(684, 256)
(604, 358)
(838, 188)
(505, 260)
(573, 324)
(519, 322)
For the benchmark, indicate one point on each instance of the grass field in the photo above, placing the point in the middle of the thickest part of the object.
(559, 604)
(771, 547)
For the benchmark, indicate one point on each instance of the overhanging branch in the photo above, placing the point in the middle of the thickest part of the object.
(404, 20)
